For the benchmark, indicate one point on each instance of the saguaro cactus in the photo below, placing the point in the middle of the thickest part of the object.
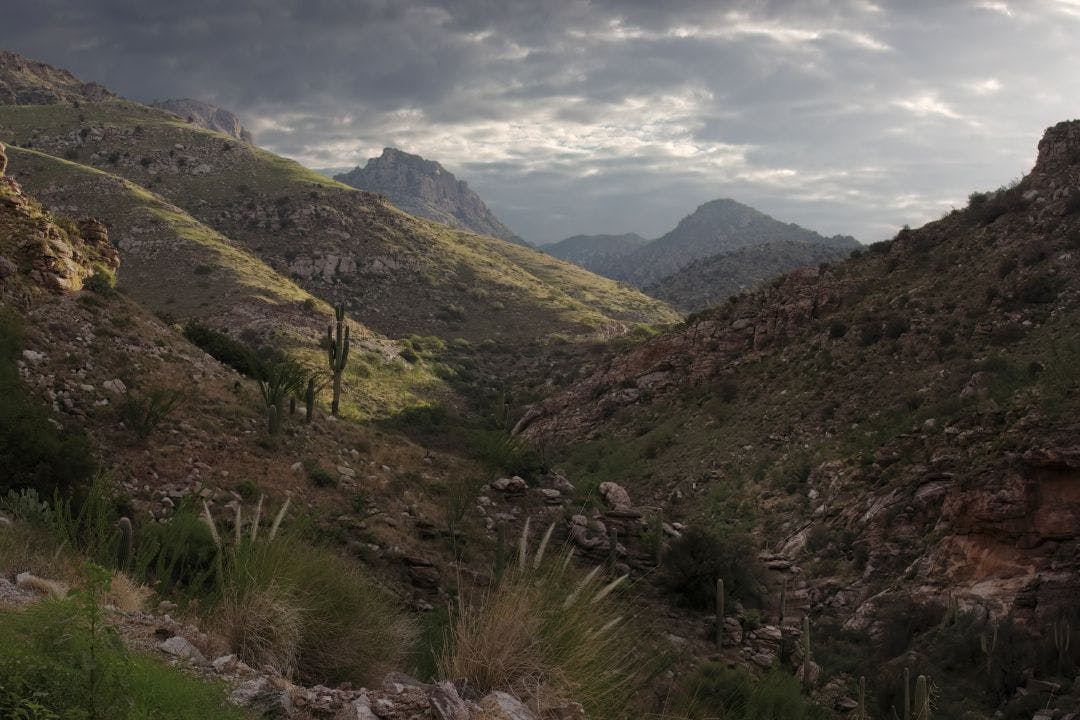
(337, 352)
(907, 693)
(808, 659)
(862, 698)
(719, 613)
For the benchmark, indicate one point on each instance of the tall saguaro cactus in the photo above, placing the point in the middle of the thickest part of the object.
(922, 698)
(337, 352)
(719, 613)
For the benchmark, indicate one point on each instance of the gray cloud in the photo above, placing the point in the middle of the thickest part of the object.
(613, 115)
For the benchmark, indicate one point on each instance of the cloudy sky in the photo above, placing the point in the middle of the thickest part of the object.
(583, 116)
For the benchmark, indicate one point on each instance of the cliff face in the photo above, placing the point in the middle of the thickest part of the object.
(424, 188)
(41, 252)
(928, 388)
(207, 116)
(29, 82)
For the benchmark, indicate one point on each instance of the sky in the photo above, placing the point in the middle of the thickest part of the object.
(604, 116)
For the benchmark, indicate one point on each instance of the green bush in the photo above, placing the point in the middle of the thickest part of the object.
(177, 558)
(717, 691)
(506, 453)
(695, 561)
(59, 659)
(223, 348)
(320, 476)
(103, 281)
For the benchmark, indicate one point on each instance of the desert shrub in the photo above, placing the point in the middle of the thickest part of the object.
(33, 451)
(870, 332)
(308, 612)
(986, 207)
(717, 691)
(223, 348)
(546, 626)
(102, 281)
(506, 453)
(1038, 291)
(695, 561)
(143, 413)
(320, 476)
(409, 355)
(837, 329)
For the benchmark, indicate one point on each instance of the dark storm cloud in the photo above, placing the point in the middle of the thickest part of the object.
(613, 115)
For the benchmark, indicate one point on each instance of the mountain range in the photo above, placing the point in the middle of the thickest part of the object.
(851, 488)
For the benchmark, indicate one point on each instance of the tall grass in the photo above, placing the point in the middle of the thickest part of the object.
(306, 611)
(549, 634)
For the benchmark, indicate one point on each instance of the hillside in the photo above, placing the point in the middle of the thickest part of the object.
(425, 188)
(712, 280)
(716, 227)
(597, 253)
(336, 242)
(207, 116)
(28, 82)
(898, 431)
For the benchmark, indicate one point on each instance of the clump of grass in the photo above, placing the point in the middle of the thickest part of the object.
(548, 634)
(143, 413)
(305, 610)
(102, 281)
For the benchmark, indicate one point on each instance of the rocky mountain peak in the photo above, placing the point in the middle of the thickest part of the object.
(426, 189)
(29, 82)
(207, 116)
(1059, 148)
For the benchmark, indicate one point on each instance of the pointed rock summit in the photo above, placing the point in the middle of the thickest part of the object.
(207, 116)
(426, 189)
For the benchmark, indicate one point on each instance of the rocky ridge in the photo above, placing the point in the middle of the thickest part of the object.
(28, 82)
(598, 253)
(207, 116)
(425, 188)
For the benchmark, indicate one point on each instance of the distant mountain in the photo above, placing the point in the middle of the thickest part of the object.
(425, 189)
(596, 252)
(719, 226)
(28, 82)
(207, 116)
(712, 280)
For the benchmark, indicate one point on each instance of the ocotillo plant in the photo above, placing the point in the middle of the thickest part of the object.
(922, 698)
(309, 400)
(987, 643)
(1062, 633)
(807, 656)
(337, 353)
(719, 613)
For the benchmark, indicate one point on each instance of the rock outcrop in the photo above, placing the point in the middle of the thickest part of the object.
(207, 116)
(28, 82)
(425, 188)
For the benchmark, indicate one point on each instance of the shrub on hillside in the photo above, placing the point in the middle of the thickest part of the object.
(695, 561)
(102, 281)
(223, 348)
(143, 413)
(715, 690)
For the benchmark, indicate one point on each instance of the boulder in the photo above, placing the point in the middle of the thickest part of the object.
(446, 704)
(615, 495)
(178, 646)
(510, 485)
(500, 706)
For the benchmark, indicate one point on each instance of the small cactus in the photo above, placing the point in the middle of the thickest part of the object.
(337, 353)
(987, 643)
(273, 419)
(126, 543)
(922, 698)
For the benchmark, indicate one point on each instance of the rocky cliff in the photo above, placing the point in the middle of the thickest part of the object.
(207, 116)
(29, 82)
(425, 188)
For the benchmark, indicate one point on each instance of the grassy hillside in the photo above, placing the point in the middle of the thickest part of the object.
(400, 275)
(183, 270)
